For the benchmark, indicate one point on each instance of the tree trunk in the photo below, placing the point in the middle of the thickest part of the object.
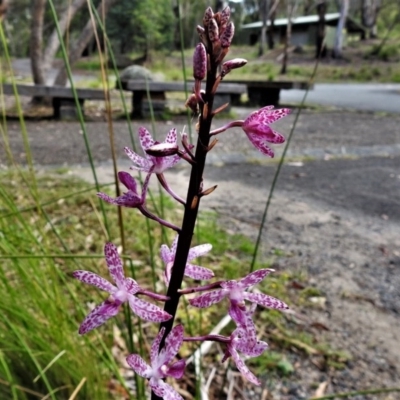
(308, 7)
(53, 43)
(3, 8)
(264, 7)
(369, 14)
(290, 8)
(337, 50)
(36, 41)
(271, 29)
(82, 41)
(320, 51)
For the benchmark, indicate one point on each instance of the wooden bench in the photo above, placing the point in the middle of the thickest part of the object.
(63, 101)
(266, 93)
(141, 107)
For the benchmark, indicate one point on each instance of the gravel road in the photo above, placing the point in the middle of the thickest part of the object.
(335, 215)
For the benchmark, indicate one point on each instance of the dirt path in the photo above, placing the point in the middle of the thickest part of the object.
(335, 216)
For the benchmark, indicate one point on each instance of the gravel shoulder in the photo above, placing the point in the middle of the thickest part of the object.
(335, 215)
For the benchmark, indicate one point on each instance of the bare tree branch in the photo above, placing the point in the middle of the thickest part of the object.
(82, 41)
(53, 43)
(36, 41)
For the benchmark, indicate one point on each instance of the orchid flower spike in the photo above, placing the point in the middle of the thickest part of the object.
(191, 270)
(124, 291)
(161, 366)
(237, 293)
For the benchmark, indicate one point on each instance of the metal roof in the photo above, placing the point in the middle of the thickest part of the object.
(307, 19)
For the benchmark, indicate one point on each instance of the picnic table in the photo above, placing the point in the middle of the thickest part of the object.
(63, 99)
(140, 89)
(265, 93)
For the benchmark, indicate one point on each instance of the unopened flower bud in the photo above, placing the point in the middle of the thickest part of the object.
(228, 66)
(208, 16)
(224, 19)
(199, 62)
(227, 35)
(213, 31)
(163, 149)
(192, 103)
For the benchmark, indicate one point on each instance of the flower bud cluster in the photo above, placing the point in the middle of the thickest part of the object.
(217, 32)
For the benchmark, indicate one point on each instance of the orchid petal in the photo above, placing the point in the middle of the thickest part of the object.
(252, 351)
(171, 137)
(198, 273)
(165, 254)
(99, 315)
(174, 245)
(242, 367)
(230, 285)
(173, 342)
(157, 387)
(155, 346)
(237, 313)
(114, 264)
(131, 286)
(95, 280)
(139, 365)
(266, 301)
(170, 161)
(199, 251)
(177, 369)
(128, 181)
(254, 277)
(169, 393)
(147, 311)
(208, 299)
(145, 138)
(269, 116)
(130, 200)
(140, 162)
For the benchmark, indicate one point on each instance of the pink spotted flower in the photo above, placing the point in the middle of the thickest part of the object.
(191, 270)
(161, 366)
(239, 343)
(153, 164)
(123, 291)
(257, 128)
(132, 199)
(237, 292)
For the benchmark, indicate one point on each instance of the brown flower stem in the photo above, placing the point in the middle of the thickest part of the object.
(192, 205)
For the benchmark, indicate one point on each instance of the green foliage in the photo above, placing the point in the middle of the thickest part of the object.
(388, 52)
(141, 26)
(153, 22)
(40, 306)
